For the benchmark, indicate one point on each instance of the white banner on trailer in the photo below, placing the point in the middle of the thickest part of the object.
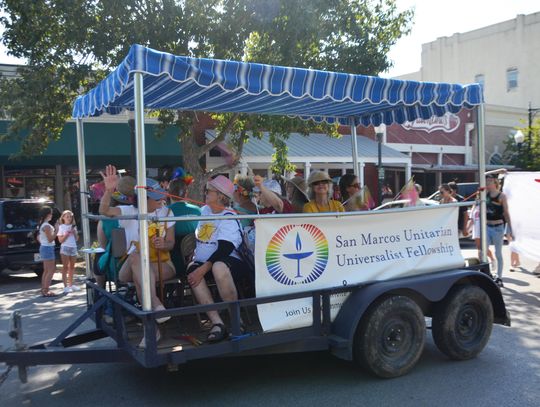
(522, 190)
(307, 254)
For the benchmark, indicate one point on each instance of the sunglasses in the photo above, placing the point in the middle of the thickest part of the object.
(320, 183)
(207, 190)
(357, 185)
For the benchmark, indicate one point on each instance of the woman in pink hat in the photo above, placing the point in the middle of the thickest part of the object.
(216, 253)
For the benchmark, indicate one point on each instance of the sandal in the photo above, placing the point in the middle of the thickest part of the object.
(47, 293)
(217, 336)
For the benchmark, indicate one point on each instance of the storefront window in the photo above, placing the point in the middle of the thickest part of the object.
(40, 187)
(14, 187)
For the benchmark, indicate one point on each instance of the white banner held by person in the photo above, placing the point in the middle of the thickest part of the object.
(522, 190)
(308, 254)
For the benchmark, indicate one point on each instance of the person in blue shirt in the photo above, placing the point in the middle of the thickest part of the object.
(177, 190)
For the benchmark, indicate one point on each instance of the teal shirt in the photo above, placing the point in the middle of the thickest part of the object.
(107, 263)
(242, 211)
(182, 228)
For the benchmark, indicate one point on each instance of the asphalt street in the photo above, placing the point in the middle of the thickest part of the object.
(506, 373)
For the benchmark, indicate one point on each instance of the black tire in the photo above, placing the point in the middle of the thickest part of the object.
(38, 270)
(391, 336)
(462, 322)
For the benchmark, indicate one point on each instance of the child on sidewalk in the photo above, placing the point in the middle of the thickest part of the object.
(68, 236)
(46, 236)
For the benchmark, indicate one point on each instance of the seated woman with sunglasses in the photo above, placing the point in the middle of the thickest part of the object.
(216, 253)
(350, 191)
(320, 191)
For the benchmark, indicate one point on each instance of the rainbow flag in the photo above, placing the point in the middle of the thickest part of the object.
(409, 192)
(363, 199)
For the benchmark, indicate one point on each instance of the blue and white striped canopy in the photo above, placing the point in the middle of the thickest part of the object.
(211, 85)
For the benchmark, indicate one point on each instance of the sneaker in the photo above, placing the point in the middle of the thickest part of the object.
(75, 288)
(162, 319)
(499, 282)
(142, 343)
(67, 290)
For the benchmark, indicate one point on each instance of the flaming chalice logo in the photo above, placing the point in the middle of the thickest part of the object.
(310, 254)
(298, 255)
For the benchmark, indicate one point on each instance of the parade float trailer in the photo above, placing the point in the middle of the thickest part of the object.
(359, 284)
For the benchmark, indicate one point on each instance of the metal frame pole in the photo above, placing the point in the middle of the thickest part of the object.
(83, 193)
(141, 192)
(380, 173)
(354, 147)
(482, 179)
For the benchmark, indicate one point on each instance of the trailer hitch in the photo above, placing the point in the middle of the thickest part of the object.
(16, 332)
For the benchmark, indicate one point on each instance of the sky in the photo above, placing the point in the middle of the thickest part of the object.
(433, 19)
(438, 18)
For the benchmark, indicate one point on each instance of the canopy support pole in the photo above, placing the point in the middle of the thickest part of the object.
(354, 147)
(83, 189)
(479, 118)
(141, 192)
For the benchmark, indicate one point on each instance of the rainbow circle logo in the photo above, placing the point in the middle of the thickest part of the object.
(297, 254)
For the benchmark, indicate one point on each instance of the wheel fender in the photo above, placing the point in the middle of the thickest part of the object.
(431, 287)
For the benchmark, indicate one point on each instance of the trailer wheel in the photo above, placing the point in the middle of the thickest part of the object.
(390, 337)
(462, 322)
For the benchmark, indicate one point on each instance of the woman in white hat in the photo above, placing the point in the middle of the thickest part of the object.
(320, 192)
(269, 196)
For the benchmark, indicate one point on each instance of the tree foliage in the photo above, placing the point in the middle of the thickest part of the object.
(527, 155)
(72, 44)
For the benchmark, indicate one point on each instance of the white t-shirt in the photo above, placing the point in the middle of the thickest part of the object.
(131, 226)
(209, 232)
(43, 240)
(70, 241)
(475, 215)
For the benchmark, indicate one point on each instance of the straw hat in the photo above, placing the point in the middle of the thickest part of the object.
(300, 184)
(317, 176)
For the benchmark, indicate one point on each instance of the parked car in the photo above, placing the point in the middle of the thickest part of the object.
(18, 221)
(401, 203)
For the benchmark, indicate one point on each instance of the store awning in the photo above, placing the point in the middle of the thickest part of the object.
(105, 143)
(318, 148)
(184, 83)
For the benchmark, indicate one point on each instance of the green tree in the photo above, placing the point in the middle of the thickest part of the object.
(71, 45)
(527, 155)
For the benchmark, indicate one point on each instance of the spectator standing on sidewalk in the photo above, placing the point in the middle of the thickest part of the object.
(68, 236)
(46, 237)
(496, 214)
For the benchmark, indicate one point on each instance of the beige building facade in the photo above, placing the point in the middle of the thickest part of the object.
(505, 59)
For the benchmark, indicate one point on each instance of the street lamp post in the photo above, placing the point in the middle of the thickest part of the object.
(380, 169)
(519, 137)
(532, 112)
